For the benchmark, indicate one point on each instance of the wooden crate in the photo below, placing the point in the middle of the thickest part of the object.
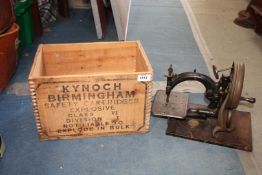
(91, 89)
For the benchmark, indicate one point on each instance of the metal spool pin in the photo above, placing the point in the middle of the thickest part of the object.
(215, 71)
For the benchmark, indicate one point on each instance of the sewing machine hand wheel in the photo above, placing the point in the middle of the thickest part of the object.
(236, 85)
(232, 99)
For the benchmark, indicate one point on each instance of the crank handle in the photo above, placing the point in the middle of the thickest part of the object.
(250, 99)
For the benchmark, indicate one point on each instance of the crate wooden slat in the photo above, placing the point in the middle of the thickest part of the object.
(91, 89)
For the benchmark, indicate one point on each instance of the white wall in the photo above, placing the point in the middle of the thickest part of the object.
(121, 9)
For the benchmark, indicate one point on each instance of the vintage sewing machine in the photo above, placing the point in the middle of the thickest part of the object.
(218, 122)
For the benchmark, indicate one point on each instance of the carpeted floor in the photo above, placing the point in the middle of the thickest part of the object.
(167, 38)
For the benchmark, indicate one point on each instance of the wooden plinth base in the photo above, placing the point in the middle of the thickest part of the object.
(201, 130)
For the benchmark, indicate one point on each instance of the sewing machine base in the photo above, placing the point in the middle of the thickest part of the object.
(201, 130)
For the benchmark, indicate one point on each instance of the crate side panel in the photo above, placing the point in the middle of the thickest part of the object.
(87, 46)
(38, 68)
(93, 106)
(142, 61)
(32, 87)
(81, 61)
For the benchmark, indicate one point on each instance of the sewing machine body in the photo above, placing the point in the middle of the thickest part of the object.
(218, 122)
